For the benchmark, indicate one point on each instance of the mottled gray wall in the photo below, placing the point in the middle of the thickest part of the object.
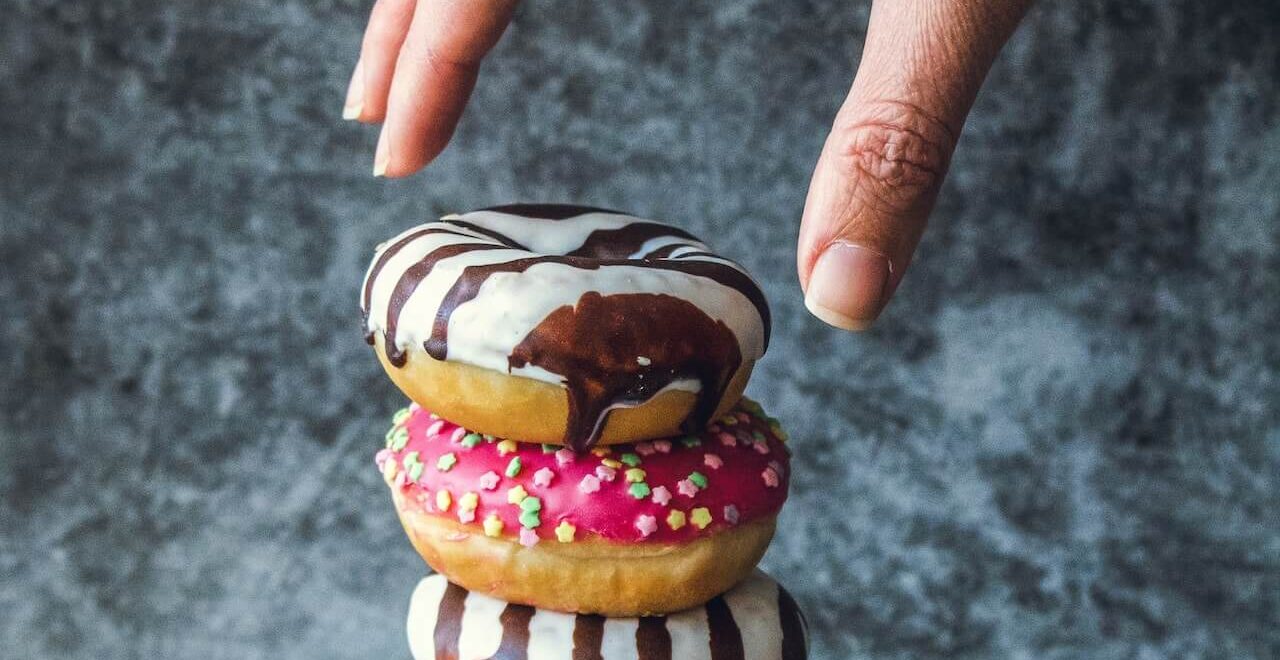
(1062, 440)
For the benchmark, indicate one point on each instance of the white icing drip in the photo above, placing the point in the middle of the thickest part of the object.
(485, 330)
(663, 241)
(753, 603)
(423, 608)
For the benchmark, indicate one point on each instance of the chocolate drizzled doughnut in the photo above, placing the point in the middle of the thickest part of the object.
(612, 307)
(756, 619)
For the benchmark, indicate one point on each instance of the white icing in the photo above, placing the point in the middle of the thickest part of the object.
(484, 331)
(753, 603)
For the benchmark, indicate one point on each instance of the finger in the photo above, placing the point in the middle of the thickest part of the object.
(435, 73)
(882, 165)
(371, 79)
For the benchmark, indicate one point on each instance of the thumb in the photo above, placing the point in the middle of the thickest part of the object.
(884, 161)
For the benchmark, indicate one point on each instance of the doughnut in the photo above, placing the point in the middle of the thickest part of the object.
(757, 619)
(563, 324)
(622, 530)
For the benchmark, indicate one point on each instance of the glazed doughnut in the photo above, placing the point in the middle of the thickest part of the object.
(624, 530)
(563, 324)
(757, 619)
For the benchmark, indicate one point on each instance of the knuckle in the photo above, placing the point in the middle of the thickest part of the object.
(895, 154)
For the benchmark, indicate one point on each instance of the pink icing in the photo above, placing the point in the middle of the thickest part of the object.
(745, 480)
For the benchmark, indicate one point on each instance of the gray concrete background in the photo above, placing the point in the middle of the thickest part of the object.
(1062, 441)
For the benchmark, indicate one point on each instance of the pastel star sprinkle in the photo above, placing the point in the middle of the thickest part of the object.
(389, 470)
(661, 496)
(397, 439)
(601, 451)
(630, 459)
(506, 447)
(698, 479)
(686, 488)
(635, 474)
(446, 462)
(466, 515)
(443, 500)
(565, 531)
(589, 484)
(528, 537)
(727, 439)
(530, 519)
(639, 490)
(513, 468)
(380, 459)
(489, 480)
(731, 514)
(605, 473)
(675, 519)
(645, 448)
(761, 448)
(493, 525)
(647, 525)
(401, 415)
(468, 501)
(700, 517)
(564, 457)
(712, 461)
(770, 477)
(664, 446)
(517, 494)
(435, 427)
(690, 441)
(531, 503)
(542, 478)
(611, 463)
(457, 435)
(470, 440)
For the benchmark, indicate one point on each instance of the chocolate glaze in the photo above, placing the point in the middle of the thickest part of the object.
(595, 345)
(653, 640)
(625, 241)
(792, 620)
(588, 637)
(448, 630)
(726, 638)
(515, 633)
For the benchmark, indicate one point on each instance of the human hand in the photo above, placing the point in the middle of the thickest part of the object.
(875, 182)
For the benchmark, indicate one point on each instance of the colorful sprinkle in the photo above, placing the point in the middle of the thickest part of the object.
(676, 519)
(549, 449)
(643, 361)
(470, 440)
(647, 525)
(661, 496)
(761, 448)
(731, 514)
(506, 447)
(664, 446)
(398, 438)
(443, 500)
(700, 517)
(712, 461)
(415, 472)
(493, 525)
(435, 427)
(466, 515)
(400, 480)
(589, 484)
(611, 463)
(645, 448)
(517, 494)
(389, 471)
(468, 501)
(770, 477)
(513, 468)
(686, 488)
(530, 519)
(639, 490)
(489, 480)
(605, 473)
(727, 439)
(565, 531)
(531, 503)
(401, 415)
(690, 441)
(601, 451)
(528, 538)
(564, 457)
(698, 479)
(381, 457)
(630, 459)
(729, 420)
(446, 462)
(634, 475)
(457, 435)
(542, 478)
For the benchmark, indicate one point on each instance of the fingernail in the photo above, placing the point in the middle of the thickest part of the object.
(382, 155)
(355, 94)
(848, 285)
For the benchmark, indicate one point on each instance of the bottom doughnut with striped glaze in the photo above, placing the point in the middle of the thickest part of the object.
(756, 620)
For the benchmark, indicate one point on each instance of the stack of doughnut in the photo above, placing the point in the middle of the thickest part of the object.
(577, 460)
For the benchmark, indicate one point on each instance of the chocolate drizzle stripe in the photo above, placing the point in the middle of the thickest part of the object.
(793, 637)
(409, 282)
(664, 252)
(548, 211)
(653, 640)
(394, 249)
(515, 633)
(491, 233)
(588, 637)
(626, 240)
(448, 632)
(726, 638)
(473, 277)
